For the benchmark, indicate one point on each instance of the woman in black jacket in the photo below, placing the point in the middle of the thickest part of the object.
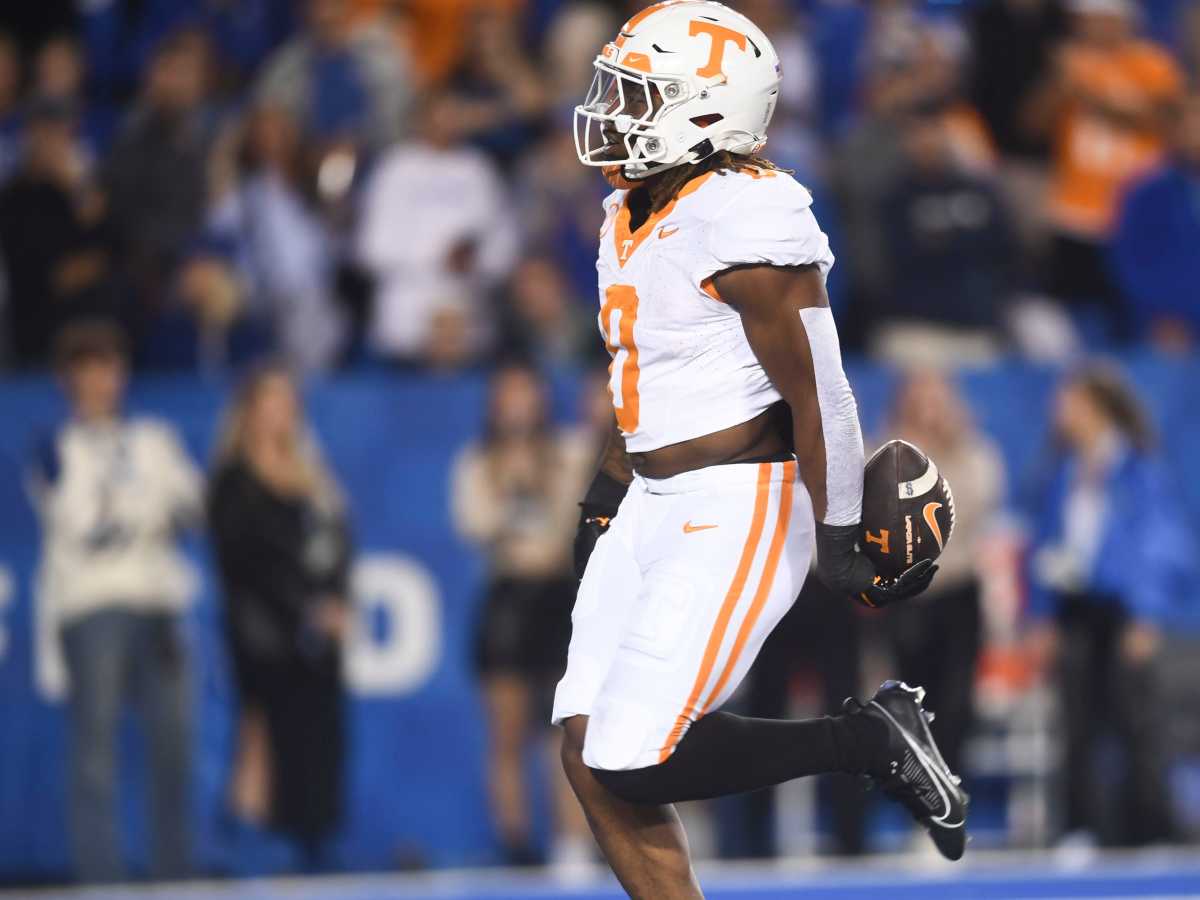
(283, 550)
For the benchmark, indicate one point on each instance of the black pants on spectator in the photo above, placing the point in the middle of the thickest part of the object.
(1103, 695)
(819, 634)
(936, 641)
(1080, 276)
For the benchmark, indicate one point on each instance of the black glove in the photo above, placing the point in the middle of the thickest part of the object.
(845, 570)
(598, 509)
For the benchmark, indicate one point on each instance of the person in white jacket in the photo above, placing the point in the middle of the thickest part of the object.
(436, 233)
(112, 493)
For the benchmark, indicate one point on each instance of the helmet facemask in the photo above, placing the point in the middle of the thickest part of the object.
(615, 125)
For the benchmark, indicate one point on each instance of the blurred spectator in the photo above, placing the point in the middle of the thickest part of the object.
(514, 493)
(1106, 105)
(948, 251)
(1013, 45)
(499, 93)
(575, 35)
(245, 32)
(283, 250)
(436, 234)
(33, 23)
(55, 237)
(59, 72)
(936, 638)
(560, 208)
(793, 142)
(10, 95)
(340, 78)
(914, 63)
(282, 544)
(58, 69)
(1156, 246)
(156, 172)
(838, 31)
(1189, 41)
(440, 32)
(205, 326)
(911, 68)
(544, 322)
(1110, 552)
(112, 492)
(121, 38)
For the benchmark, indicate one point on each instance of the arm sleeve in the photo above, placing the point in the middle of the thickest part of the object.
(768, 222)
(844, 456)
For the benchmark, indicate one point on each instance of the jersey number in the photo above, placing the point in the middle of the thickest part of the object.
(617, 316)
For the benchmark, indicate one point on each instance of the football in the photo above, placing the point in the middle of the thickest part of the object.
(908, 510)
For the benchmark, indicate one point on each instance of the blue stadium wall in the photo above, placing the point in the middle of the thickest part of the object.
(415, 784)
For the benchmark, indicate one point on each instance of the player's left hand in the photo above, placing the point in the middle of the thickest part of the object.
(907, 584)
(845, 570)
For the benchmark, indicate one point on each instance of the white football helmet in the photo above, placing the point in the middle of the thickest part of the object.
(682, 80)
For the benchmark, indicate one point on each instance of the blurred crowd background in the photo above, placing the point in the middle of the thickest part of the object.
(227, 178)
(376, 206)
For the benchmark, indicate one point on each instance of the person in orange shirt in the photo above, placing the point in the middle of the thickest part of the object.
(1105, 107)
(439, 30)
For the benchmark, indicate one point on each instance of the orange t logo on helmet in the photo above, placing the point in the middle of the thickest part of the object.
(720, 37)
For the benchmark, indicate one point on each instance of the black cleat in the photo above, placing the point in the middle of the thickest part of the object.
(918, 777)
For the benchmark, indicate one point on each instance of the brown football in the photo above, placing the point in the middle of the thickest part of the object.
(908, 510)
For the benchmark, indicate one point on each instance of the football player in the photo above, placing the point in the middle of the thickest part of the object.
(736, 450)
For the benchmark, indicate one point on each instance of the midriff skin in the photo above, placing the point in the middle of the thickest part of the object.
(766, 435)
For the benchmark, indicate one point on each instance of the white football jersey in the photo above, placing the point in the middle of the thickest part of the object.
(682, 366)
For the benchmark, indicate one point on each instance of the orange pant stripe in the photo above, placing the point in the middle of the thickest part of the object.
(778, 539)
(717, 635)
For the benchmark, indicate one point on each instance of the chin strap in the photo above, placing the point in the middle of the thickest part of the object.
(615, 174)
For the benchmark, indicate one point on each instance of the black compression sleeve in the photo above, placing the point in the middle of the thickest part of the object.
(603, 496)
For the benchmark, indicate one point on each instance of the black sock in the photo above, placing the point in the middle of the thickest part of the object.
(727, 754)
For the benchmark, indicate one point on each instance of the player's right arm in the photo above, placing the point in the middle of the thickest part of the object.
(603, 497)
